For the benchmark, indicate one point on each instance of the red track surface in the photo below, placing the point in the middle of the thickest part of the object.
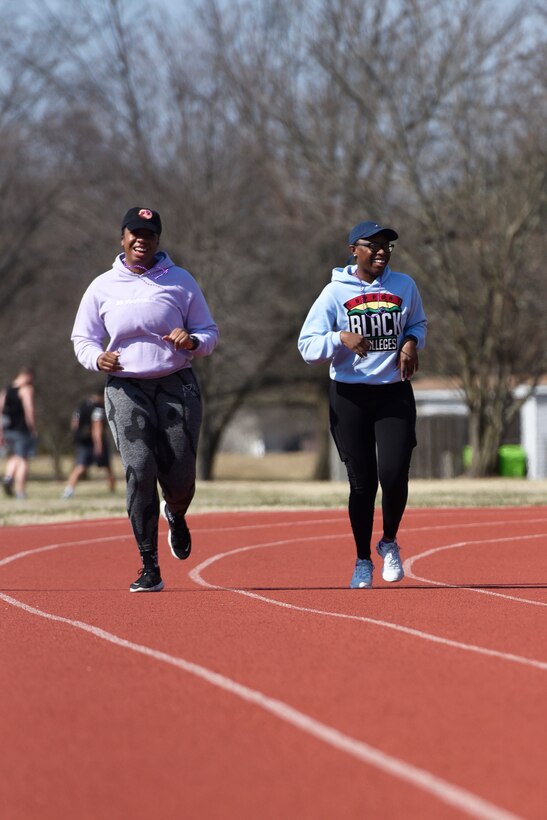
(257, 685)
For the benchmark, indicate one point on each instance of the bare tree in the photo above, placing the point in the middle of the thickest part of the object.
(230, 215)
(458, 104)
(62, 180)
(262, 133)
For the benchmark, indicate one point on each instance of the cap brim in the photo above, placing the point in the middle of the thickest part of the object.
(142, 224)
(389, 232)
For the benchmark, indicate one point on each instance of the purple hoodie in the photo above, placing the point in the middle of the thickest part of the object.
(135, 311)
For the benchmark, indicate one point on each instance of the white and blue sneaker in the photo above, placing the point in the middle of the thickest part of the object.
(393, 567)
(362, 574)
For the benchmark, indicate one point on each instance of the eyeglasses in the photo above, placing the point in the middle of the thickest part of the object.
(374, 247)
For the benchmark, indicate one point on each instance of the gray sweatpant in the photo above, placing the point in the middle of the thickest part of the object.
(155, 424)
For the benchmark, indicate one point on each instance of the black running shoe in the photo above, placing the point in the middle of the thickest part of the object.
(7, 484)
(178, 538)
(149, 580)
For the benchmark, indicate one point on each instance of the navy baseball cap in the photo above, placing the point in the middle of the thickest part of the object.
(365, 229)
(138, 218)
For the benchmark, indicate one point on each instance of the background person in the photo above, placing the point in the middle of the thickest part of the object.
(157, 320)
(18, 431)
(369, 323)
(90, 431)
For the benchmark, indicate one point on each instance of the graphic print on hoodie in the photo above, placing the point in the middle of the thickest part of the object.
(378, 317)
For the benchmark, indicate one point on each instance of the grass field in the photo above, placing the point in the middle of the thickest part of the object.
(277, 480)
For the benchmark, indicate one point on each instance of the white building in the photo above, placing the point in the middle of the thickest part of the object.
(533, 426)
(441, 415)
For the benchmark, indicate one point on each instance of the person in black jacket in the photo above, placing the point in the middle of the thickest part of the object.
(18, 431)
(90, 431)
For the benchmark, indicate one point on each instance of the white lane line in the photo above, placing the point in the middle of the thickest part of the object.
(344, 522)
(341, 519)
(48, 547)
(270, 525)
(460, 525)
(409, 563)
(65, 525)
(443, 790)
(196, 576)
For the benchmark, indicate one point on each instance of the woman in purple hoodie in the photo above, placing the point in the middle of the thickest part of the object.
(156, 320)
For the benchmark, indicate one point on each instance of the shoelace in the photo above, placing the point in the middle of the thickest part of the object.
(172, 518)
(363, 571)
(391, 555)
(177, 522)
(146, 571)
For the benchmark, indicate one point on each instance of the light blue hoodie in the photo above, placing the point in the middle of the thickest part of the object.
(384, 311)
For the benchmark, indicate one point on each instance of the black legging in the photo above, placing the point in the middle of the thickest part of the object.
(374, 428)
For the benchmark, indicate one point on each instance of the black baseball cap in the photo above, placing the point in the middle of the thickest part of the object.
(146, 218)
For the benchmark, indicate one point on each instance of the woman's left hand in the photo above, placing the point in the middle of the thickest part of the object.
(407, 359)
(180, 338)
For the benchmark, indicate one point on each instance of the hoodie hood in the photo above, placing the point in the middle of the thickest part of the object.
(161, 265)
(348, 276)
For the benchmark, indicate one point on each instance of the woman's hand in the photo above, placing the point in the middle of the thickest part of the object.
(355, 342)
(109, 361)
(407, 359)
(180, 338)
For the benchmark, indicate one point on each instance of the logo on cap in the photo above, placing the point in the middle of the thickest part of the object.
(145, 213)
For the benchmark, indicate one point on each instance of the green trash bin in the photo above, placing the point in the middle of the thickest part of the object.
(467, 456)
(512, 461)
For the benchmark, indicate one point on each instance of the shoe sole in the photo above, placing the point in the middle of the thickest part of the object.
(361, 585)
(157, 588)
(173, 553)
(394, 580)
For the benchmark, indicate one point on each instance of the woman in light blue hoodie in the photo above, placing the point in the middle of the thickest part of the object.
(369, 323)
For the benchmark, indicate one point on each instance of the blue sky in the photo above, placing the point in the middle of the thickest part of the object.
(178, 7)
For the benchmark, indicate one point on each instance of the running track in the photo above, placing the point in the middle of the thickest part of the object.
(258, 686)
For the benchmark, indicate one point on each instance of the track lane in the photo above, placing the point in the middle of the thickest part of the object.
(248, 647)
